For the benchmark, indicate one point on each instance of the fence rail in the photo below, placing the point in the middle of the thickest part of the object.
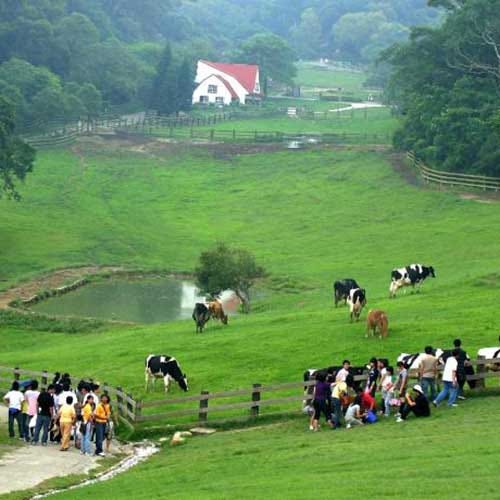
(255, 400)
(453, 179)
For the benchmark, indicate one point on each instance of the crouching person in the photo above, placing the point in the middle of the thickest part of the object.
(354, 415)
(416, 403)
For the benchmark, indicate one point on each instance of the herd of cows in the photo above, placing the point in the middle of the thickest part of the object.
(347, 290)
(355, 297)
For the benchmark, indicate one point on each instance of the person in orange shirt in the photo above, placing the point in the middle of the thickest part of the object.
(101, 418)
(88, 418)
(67, 417)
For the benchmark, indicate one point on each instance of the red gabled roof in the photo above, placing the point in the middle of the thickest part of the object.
(224, 82)
(246, 74)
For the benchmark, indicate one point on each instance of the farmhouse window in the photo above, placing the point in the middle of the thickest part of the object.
(203, 98)
(212, 89)
(219, 100)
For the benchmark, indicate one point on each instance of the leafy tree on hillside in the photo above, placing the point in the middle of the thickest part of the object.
(306, 36)
(225, 268)
(185, 85)
(445, 82)
(16, 157)
(273, 55)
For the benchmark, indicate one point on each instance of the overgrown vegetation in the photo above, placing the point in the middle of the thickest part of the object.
(446, 84)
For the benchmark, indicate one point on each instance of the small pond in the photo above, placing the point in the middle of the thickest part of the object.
(150, 300)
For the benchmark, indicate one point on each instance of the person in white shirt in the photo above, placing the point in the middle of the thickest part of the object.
(61, 398)
(354, 415)
(343, 372)
(14, 399)
(450, 381)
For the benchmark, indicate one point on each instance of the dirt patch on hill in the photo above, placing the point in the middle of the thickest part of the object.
(50, 281)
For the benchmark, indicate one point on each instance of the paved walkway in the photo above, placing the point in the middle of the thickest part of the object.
(28, 465)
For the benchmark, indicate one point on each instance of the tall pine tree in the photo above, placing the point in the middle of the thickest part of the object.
(185, 86)
(164, 91)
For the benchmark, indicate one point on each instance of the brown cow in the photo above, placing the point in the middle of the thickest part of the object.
(216, 311)
(377, 319)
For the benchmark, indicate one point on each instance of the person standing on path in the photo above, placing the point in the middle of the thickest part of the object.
(88, 418)
(101, 417)
(31, 396)
(14, 399)
(427, 373)
(67, 417)
(450, 381)
(46, 413)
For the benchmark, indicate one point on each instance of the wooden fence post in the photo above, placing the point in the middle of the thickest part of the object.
(212, 132)
(138, 410)
(234, 134)
(44, 379)
(254, 410)
(130, 407)
(203, 415)
(480, 370)
(16, 373)
(119, 400)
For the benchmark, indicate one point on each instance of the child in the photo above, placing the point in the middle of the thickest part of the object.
(354, 414)
(387, 383)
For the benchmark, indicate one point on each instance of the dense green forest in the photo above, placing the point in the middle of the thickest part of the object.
(446, 82)
(70, 58)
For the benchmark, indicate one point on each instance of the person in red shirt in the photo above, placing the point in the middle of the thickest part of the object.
(367, 400)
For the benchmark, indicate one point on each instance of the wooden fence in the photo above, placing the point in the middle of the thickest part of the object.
(453, 179)
(239, 404)
(259, 136)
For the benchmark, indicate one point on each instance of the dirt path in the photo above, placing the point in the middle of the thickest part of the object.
(49, 281)
(27, 466)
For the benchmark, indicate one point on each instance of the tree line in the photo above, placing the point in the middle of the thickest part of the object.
(446, 82)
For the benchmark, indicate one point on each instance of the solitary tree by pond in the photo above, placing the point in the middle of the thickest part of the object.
(225, 268)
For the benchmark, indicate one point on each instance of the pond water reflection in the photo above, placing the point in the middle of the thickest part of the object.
(151, 300)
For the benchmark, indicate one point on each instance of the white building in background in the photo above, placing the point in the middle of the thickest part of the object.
(224, 83)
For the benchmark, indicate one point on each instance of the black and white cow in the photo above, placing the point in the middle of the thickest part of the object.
(356, 300)
(167, 368)
(412, 361)
(201, 314)
(414, 274)
(341, 289)
(490, 353)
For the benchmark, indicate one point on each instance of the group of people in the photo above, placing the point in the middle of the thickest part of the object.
(61, 414)
(340, 400)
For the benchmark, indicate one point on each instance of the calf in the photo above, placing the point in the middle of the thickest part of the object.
(414, 274)
(216, 311)
(356, 301)
(377, 319)
(342, 288)
(201, 314)
(167, 368)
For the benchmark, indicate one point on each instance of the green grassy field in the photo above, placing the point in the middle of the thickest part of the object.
(309, 217)
(417, 459)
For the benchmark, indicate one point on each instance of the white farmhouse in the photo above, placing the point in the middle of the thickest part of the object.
(223, 83)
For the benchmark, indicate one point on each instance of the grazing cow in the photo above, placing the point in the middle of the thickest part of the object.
(490, 353)
(412, 361)
(167, 368)
(356, 301)
(377, 319)
(342, 288)
(201, 314)
(413, 274)
(216, 311)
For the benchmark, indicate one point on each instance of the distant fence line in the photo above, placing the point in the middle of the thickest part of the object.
(284, 397)
(453, 179)
(60, 133)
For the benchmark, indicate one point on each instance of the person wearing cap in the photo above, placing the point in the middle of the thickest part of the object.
(450, 380)
(415, 403)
